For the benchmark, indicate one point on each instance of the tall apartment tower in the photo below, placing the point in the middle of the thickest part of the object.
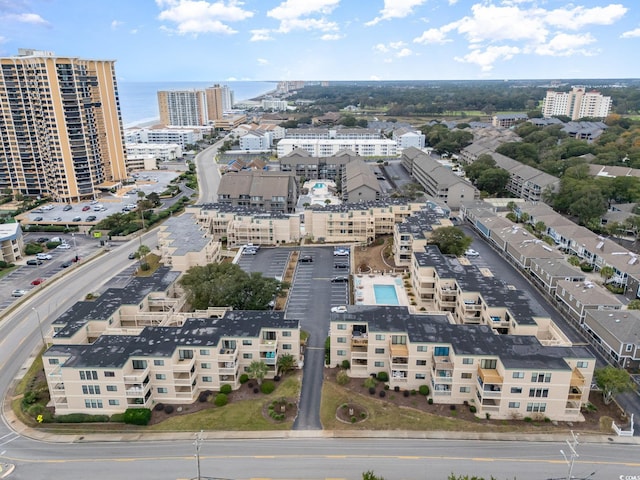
(578, 103)
(219, 100)
(182, 108)
(60, 126)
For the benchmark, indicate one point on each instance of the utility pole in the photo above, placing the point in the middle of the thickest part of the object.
(198, 443)
(573, 454)
(39, 326)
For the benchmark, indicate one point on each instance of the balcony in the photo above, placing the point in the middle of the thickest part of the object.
(359, 354)
(268, 345)
(137, 391)
(398, 350)
(58, 388)
(360, 341)
(268, 357)
(56, 374)
(577, 379)
(137, 377)
(489, 376)
(184, 364)
(572, 408)
(398, 376)
(575, 393)
(227, 368)
(228, 355)
(442, 376)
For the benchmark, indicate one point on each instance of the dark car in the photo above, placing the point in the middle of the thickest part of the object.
(339, 279)
(67, 208)
(65, 264)
(34, 262)
(341, 265)
(91, 218)
(306, 259)
(132, 256)
(38, 219)
(86, 208)
(42, 240)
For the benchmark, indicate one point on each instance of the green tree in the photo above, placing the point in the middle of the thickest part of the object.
(227, 285)
(540, 227)
(588, 206)
(450, 240)
(634, 304)
(612, 381)
(573, 260)
(607, 272)
(286, 363)
(369, 475)
(475, 169)
(257, 370)
(143, 251)
(493, 181)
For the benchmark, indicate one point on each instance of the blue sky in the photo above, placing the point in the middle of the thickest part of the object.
(203, 40)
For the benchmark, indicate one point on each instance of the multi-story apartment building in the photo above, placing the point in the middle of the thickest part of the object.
(219, 100)
(578, 103)
(256, 140)
(168, 364)
(183, 243)
(331, 146)
(359, 183)
(195, 107)
(60, 126)
(161, 151)
(333, 133)
(408, 137)
(265, 190)
(616, 335)
(413, 232)
(274, 104)
(304, 165)
(11, 242)
(508, 120)
(503, 376)
(180, 136)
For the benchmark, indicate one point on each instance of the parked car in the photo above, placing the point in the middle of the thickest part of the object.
(341, 279)
(34, 261)
(18, 293)
(77, 219)
(64, 246)
(38, 219)
(306, 259)
(249, 251)
(65, 264)
(341, 252)
(91, 218)
(132, 256)
(340, 309)
(341, 265)
(471, 253)
(43, 256)
(37, 281)
(57, 219)
(42, 240)
(67, 208)
(86, 208)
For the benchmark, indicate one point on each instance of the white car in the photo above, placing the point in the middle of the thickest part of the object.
(341, 253)
(18, 293)
(64, 246)
(43, 256)
(471, 253)
(340, 309)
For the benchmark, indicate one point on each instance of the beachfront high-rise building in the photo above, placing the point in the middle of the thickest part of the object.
(578, 103)
(60, 126)
(190, 108)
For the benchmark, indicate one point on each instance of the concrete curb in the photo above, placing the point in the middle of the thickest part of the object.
(6, 469)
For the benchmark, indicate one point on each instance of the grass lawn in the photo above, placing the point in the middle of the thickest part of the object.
(6, 271)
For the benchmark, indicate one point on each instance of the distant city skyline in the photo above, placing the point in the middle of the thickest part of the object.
(228, 40)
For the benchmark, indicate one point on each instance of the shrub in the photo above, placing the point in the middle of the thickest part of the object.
(430, 401)
(250, 385)
(342, 377)
(424, 390)
(85, 418)
(36, 409)
(138, 416)
(117, 418)
(256, 390)
(276, 378)
(226, 389)
(406, 393)
(29, 398)
(413, 391)
(168, 409)
(383, 376)
(267, 387)
(159, 407)
(363, 415)
(244, 378)
(472, 409)
(370, 382)
(382, 393)
(221, 400)
(33, 248)
(345, 364)
(528, 419)
(353, 419)
(372, 390)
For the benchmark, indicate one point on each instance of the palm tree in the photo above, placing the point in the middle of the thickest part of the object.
(143, 251)
(257, 370)
(285, 363)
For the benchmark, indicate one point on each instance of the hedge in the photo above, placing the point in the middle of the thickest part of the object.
(221, 400)
(267, 387)
(137, 416)
(81, 418)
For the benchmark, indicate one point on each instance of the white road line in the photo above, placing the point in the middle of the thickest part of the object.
(10, 440)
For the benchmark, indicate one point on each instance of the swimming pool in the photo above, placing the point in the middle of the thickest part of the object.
(319, 185)
(385, 295)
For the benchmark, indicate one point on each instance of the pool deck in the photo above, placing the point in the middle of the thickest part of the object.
(364, 294)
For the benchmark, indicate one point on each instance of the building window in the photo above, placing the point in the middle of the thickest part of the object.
(205, 366)
(465, 389)
(421, 376)
(342, 326)
(286, 333)
(88, 375)
(466, 375)
(247, 342)
(139, 364)
(158, 363)
(207, 379)
(247, 356)
(205, 351)
(488, 363)
(518, 375)
(91, 389)
(441, 351)
(421, 363)
(378, 364)
(342, 339)
(539, 392)
(162, 389)
(161, 376)
(516, 389)
(54, 361)
(398, 339)
(421, 348)
(286, 346)
(536, 407)
(114, 402)
(109, 374)
(342, 353)
(514, 404)
(540, 377)
(112, 388)
(185, 354)
(582, 364)
(379, 337)
(93, 403)
(380, 351)
(467, 361)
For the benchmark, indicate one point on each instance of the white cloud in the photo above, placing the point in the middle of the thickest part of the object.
(487, 57)
(404, 52)
(381, 47)
(296, 15)
(433, 35)
(397, 49)
(263, 61)
(631, 33)
(331, 36)
(580, 17)
(374, 77)
(565, 44)
(260, 35)
(200, 16)
(395, 9)
(32, 18)
(115, 24)
(133, 31)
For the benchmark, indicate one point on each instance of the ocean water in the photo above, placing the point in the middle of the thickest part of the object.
(139, 100)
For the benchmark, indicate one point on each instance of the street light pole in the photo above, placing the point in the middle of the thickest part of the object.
(574, 454)
(198, 443)
(39, 326)
(75, 246)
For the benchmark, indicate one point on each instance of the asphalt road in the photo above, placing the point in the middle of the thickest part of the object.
(208, 173)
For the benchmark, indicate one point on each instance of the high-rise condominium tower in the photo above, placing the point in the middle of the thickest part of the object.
(578, 103)
(189, 108)
(60, 126)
